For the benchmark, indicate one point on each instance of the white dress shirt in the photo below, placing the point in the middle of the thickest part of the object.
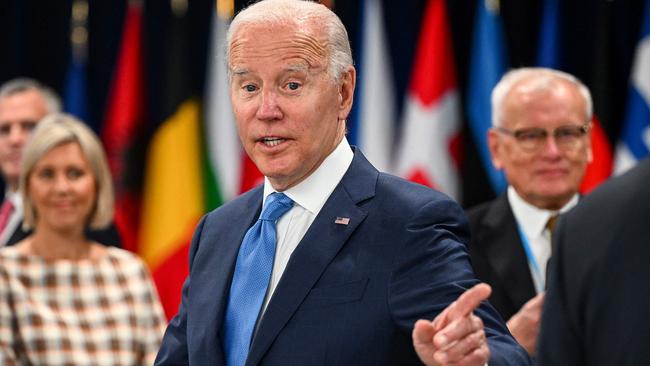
(309, 197)
(532, 223)
(15, 219)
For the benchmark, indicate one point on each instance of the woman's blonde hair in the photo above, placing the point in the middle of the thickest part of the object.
(57, 129)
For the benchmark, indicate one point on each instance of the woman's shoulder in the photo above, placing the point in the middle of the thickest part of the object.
(12, 255)
(125, 259)
(123, 255)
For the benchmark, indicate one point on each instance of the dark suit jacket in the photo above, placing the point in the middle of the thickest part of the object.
(350, 294)
(597, 307)
(498, 257)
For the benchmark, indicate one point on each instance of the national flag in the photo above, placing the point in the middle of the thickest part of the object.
(75, 88)
(373, 122)
(173, 199)
(488, 63)
(428, 152)
(230, 170)
(634, 143)
(549, 55)
(122, 131)
(548, 52)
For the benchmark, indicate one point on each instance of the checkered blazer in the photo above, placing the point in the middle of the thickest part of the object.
(88, 312)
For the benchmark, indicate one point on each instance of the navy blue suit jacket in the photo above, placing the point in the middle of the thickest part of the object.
(350, 294)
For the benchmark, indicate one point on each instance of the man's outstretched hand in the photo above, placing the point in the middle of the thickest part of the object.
(456, 335)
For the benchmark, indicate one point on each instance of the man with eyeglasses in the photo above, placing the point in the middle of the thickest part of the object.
(540, 139)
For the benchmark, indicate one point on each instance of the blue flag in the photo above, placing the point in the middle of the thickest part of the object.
(74, 90)
(548, 54)
(634, 143)
(74, 93)
(487, 65)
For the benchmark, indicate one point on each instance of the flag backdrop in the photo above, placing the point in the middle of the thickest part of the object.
(635, 138)
(428, 152)
(170, 168)
(75, 88)
(173, 199)
(488, 64)
(373, 123)
(230, 169)
(122, 130)
(549, 55)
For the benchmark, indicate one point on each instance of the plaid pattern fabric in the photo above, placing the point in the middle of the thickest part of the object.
(103, 312)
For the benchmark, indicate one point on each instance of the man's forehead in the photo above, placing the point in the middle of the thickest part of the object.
(287, 43)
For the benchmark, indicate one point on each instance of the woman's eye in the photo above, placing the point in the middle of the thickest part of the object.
(75, 173)
(46, 173)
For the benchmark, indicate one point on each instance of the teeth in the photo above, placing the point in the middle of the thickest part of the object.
(272, 141)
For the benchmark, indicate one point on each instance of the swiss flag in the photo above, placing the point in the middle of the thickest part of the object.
(428, 152)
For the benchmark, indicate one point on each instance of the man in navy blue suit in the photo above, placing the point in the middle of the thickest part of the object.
(367, 268)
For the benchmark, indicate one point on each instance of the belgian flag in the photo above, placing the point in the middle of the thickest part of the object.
(173, 194)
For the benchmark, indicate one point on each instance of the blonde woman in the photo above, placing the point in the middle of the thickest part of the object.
(65, 299)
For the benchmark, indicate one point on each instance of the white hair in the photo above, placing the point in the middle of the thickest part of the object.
(538, 79)
(21, 85)
(300, 13)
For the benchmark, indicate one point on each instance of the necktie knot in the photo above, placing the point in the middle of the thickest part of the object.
(276, 205)
(550, 224)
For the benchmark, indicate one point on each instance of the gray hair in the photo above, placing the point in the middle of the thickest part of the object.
(57, 129)
(299, 12)
(21, 85)
(541, 79)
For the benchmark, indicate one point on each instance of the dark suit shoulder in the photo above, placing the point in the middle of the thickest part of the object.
(244, 202)
(407, 192)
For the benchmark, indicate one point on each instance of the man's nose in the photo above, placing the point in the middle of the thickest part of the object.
(551, 147)
(269, 109)
(17, 136)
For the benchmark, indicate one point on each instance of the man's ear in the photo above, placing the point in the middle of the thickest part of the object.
(495, 146)
(346, 92)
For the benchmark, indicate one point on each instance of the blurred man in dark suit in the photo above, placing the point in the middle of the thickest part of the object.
(540, 138)
(23, 103)
(596, 308)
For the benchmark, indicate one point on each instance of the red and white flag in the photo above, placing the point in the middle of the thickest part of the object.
(429, 149)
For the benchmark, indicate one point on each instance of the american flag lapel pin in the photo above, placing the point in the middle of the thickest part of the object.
(342, 220)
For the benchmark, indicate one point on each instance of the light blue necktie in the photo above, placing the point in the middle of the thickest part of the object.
(251, 279)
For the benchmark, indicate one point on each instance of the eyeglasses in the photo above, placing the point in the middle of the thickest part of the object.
(533, 139)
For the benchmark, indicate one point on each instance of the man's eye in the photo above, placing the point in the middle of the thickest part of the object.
(568, 132)
(28, 126)
(250, 88)
(293, 85)
(4, 130)
(530, 135)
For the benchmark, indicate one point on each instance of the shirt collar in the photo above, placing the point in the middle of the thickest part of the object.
(531, 219)
(15, 197)
(312, 192)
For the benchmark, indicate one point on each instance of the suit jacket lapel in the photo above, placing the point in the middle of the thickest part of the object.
(215, 269)
(506, 253)
(318, 247)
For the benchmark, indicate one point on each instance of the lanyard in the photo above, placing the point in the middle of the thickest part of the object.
(535, 271)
